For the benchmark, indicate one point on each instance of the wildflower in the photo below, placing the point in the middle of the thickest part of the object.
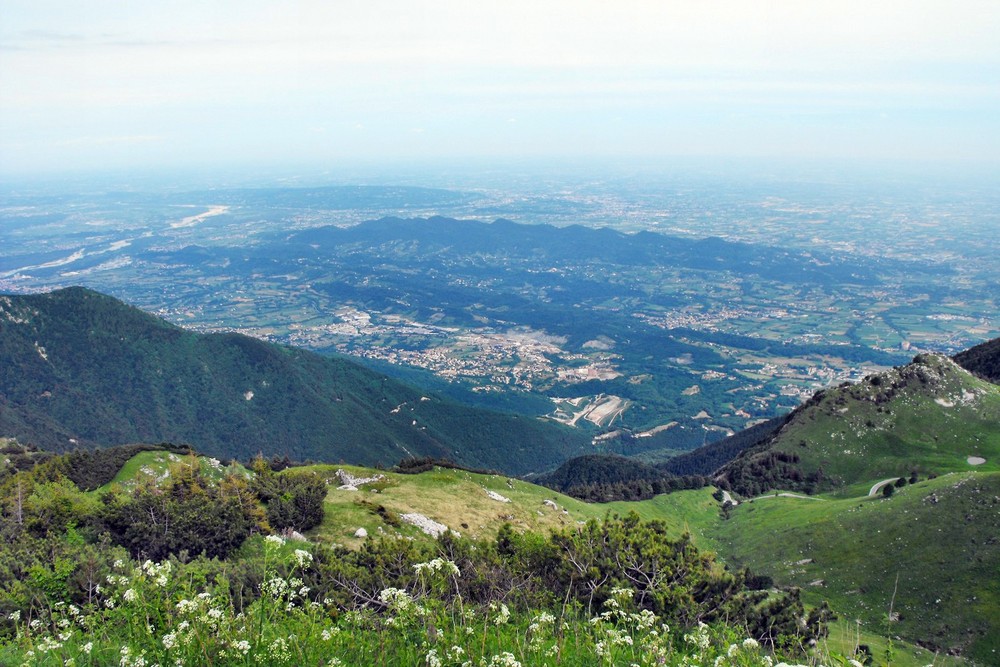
(186, 606)
(276, 587)
(854, 663)
(274, 541)
(644, 619)
(751, 644)
(699, 638)
(243, 646)
(15, 615)
(215, 613)
(396, 599)
(118, 564)
(442, 565)
(505, 659)
(87, 648)
(129, 595)
(432, 658)
(503, 613)
(169, 640)
(302, 557)
(278, 650)
(48, 644)
(35, 624)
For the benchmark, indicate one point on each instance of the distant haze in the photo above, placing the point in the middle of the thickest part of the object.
(116, 85)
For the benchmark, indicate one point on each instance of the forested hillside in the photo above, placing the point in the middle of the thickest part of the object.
(982, 360)
(78, 368)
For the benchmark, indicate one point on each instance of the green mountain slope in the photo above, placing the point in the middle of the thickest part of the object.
(931, 552)
(78, 368)
(930, 416)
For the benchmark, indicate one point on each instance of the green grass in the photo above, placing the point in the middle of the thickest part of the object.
(856, 545)
(938, 537)
(156, 464)
(933, 426)
(459, 500)
(846, 635)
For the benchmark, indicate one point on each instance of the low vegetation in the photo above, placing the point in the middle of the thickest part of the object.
(186, 566)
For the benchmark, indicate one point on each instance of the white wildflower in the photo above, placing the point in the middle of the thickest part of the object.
(503, 613)
(396, 599)
(186, 606)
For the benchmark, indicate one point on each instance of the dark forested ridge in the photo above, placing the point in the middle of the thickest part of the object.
(707, 459)
(982, 360)
(81, 369)
(607, 477)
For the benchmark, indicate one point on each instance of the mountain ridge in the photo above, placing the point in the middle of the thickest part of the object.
(78, 368)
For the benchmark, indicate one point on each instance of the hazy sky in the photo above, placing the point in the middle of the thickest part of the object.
(175, 83)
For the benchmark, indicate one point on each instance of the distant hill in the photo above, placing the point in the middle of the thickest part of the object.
(81, 369)
(929, 416)
(982, 360)
(549, 244)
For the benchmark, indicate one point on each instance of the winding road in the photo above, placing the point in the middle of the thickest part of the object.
(879, 485)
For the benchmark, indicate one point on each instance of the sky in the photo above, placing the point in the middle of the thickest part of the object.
(203, 83)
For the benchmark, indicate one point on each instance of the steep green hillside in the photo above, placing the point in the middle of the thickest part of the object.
(930, 416)
(78, 368)
(931, 552)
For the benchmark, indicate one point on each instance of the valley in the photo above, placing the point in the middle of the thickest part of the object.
(593, 291)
